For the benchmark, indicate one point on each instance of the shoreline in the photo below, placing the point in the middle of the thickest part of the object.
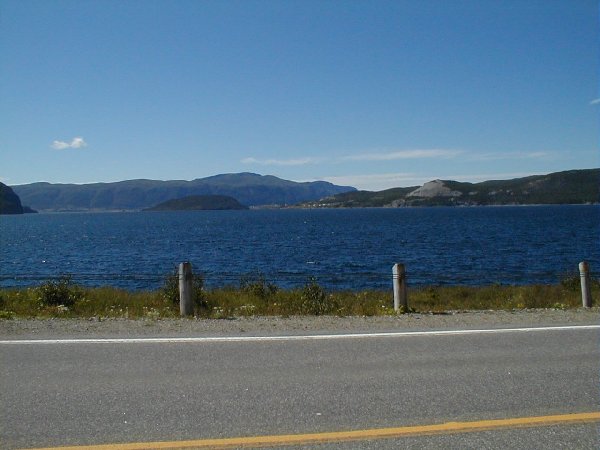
(296, 207)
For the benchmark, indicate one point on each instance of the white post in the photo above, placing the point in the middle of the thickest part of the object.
(586, 293)
(400, 291)
(186, 304)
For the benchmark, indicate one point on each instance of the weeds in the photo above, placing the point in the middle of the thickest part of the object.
(256, 284)
(62, 292)
(258, 297)
(170, 291)
(315, 301)
(571, 282)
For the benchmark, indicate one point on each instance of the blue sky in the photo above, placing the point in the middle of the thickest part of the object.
(373, 94)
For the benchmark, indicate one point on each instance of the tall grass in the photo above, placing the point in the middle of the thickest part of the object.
(257, 297)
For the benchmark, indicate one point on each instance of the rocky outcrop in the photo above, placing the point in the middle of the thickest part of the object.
(10, 203)
(435, 188)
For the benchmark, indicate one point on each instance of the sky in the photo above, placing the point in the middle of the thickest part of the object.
(372, 94)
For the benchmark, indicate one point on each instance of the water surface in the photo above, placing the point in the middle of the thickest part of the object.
(342, 248)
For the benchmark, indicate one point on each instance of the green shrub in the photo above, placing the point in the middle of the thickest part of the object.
(257, 285)
(314, 300)
(170, 290)
(60, 292)
(7, 315)
(571, 282)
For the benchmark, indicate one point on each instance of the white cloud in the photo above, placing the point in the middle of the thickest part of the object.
(596, 101)
(282, 162)
(76, 142)
(404, 154)
(59, 145)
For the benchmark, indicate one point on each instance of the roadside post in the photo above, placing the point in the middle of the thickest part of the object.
(586, 292)
(186, 304)
(400, 291)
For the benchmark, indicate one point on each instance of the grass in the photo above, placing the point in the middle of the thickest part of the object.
(257, 297)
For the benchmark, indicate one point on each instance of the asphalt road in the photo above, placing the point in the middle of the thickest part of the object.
(100, 393)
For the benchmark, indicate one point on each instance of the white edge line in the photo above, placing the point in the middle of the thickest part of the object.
(313, 337)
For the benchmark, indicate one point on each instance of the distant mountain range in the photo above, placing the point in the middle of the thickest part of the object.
(247, 188)
(569, 187)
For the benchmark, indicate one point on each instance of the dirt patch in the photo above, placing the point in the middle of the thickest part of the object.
(93, 328)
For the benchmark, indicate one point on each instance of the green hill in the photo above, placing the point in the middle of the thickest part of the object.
(199, 202)
(569, 187)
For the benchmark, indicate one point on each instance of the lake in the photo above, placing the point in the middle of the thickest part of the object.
(341, 248)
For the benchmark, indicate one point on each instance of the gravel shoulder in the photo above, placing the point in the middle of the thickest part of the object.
(298, 325)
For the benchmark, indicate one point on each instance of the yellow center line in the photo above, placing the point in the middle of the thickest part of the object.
(356, 435)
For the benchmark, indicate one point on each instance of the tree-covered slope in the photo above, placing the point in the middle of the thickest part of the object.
(199, 202)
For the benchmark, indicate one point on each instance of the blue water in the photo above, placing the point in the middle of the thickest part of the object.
(342, 248)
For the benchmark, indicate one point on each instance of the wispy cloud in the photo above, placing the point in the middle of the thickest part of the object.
(378, 181)
(76, 142)
(595, 101)
(497, 156)
(382, 181)
(476, 178)
(282, 162)
(367, 156)
(404, 154)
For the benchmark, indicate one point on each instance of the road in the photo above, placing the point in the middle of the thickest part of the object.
(83, 393)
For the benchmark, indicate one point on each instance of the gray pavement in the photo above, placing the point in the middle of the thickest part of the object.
(75, 394)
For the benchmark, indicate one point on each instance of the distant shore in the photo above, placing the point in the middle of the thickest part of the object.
(288, 207)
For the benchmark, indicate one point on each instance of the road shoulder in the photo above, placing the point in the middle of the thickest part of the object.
(267, 326)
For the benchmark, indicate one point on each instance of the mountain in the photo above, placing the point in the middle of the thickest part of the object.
(569, 187)
(10, 203)
(199, 202)
(248, 188)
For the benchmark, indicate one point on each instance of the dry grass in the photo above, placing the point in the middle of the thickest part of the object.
(262, 299)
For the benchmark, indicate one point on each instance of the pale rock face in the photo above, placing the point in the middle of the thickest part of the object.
(435, 188)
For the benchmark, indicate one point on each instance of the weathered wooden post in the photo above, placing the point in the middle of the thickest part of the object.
(186, 290)
(586, 292)
(400, 291)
